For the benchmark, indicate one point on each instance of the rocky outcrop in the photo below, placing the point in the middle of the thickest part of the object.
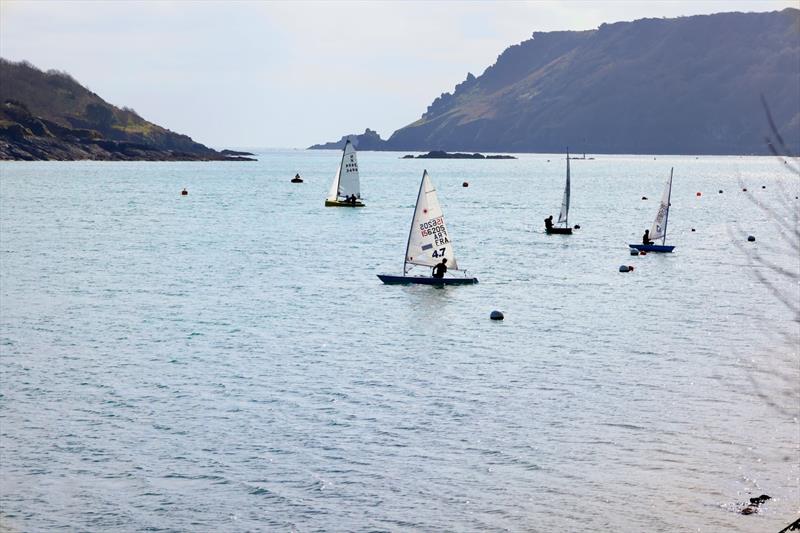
(369, 140)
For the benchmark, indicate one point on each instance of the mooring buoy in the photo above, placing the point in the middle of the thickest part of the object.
(496, 315)
(751, 238)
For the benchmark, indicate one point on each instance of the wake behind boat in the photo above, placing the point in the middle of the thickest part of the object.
(659, 229)
(563, 215)
(346, 187)
(429, 244)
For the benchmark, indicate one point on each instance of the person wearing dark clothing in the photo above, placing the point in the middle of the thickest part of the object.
(440, 269)
(646, 237)
(352, 199)
(548, 222)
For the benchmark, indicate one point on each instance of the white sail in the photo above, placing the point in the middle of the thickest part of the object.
(348, 172)
(563, 215)
(346, 181)
(428, 240)
(659, 229)
(333, 193)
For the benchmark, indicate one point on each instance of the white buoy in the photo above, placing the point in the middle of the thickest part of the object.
(496, 315)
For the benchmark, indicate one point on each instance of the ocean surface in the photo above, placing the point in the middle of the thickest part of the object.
(229, 361)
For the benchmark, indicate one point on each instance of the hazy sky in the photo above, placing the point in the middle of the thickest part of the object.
(290, 74)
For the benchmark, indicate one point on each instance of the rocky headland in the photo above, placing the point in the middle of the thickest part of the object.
(49, 116)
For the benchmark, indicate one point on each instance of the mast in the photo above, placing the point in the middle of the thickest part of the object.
(413, 217)
(566, 214)
(669, 201)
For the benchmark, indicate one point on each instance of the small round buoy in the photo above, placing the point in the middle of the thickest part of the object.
(763, 186)
(751, 238)
(699, 194)
(496, 315)
(465, 184)
(624, 268)
(720, 191)
(184, 192)
(577, 226)
(744, 189)
(644, 197)
(692, 229)
(548, 160)
(634, 251)
(297, 179)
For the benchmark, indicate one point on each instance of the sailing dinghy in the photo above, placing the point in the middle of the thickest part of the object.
(346, 184)
(428, 242)
(563, 215)
(659, 229)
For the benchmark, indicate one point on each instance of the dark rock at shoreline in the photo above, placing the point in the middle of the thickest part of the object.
(438, 154)
(235, 153)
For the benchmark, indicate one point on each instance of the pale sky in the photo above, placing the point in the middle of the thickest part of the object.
(291, 74)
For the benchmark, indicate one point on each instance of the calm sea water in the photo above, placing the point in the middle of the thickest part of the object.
(228, 361)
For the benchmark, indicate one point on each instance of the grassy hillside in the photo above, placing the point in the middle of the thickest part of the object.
(47, 115)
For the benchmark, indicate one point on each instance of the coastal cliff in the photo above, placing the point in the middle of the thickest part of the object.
(689, 85)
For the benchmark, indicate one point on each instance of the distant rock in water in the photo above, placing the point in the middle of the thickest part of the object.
(234, 153)
(438, 154)
(369, 140)
(48, 116)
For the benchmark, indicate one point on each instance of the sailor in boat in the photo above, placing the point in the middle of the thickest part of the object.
(351, 199)
(440, 269)
(646, 237)
(548, 223)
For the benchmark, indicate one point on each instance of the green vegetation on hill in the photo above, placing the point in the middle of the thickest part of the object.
(690, 85)
(49, 115)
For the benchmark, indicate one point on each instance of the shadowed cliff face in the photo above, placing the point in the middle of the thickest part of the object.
(688, 85)
(49, 115)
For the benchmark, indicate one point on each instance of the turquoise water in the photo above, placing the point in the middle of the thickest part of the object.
(229, 361)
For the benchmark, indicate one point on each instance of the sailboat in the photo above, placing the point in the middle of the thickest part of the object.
(428, 242)
(563, 215)
(346, 184)
(659, 229)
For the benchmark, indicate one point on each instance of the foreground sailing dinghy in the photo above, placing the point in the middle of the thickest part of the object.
(659, 229)
(563, 215)
(346, 187)
(428, 242)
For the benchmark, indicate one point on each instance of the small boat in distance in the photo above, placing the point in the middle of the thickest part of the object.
(563, 215)
(659, 229)
(297, 179)
(428, 242)
(346, 188)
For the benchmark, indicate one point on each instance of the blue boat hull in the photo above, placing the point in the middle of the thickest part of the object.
(652, 248)
(419, 280)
